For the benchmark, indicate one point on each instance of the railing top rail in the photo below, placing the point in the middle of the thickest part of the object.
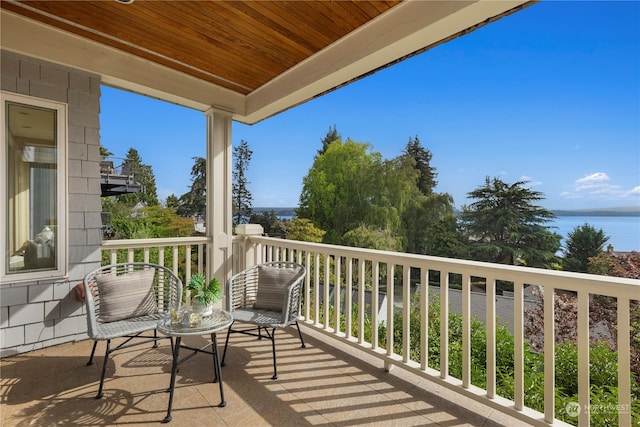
(596, 284)
(167, 241)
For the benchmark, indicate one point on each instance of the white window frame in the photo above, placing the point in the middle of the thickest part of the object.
(62, 266)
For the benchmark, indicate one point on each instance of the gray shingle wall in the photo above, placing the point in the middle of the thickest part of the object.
(44, 313)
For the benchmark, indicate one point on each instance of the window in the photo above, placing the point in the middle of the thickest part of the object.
(33, 193)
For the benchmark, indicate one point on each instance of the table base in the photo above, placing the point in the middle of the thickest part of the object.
(177, 361)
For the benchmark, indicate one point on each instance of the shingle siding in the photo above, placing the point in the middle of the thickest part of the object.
(45, 313)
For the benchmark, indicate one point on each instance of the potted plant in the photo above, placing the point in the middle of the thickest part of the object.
(204, 293)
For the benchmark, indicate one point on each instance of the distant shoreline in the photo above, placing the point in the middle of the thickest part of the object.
(622, 211)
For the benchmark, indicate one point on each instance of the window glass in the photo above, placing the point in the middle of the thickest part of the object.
(31, 193)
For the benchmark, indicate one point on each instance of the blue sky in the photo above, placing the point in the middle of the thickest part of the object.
(550, 95)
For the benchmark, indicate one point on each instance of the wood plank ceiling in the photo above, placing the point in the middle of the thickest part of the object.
(239, 45)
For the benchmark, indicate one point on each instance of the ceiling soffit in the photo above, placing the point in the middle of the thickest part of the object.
(251, 58)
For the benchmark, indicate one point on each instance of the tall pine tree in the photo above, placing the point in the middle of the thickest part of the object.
(426, 174)
(241, 195)
(142, 174)
(194, 202)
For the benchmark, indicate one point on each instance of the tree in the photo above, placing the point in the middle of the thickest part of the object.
(332, 135)
(194, 202)
(367, 237)
(340, 188)
(271, 224)
(172, 202)
(422, 157)
(241, 195)
(303, 229)
(142, 174)
(104, 152)
(505, 226)
(582, 243)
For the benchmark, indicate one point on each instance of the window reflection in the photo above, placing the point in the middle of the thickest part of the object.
(31, 190)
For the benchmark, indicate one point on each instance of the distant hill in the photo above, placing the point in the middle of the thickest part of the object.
(617, 211)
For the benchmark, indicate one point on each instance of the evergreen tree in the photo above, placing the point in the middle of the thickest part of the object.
(241, 195)
(332, 135)
(104, 152)
(142, 174)
(505, 226)
(172, 202)
(194, 202)
(422, 157)
(582, 243)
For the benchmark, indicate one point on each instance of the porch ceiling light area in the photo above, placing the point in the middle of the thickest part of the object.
(251, 58)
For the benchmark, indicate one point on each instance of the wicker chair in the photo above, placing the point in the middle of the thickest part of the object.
(267, 296)
(124, 301)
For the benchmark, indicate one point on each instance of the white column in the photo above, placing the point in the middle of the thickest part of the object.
(219, 178)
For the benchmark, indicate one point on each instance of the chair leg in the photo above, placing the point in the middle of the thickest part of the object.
(300, 335)
(93, 351)
(155, 341)
(104, 369)
(273, 347)
(226, 343)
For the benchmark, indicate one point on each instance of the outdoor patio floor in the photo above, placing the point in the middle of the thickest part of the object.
(326, 383)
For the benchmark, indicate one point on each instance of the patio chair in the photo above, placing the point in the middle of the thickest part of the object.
(126, 300)
(267, 296)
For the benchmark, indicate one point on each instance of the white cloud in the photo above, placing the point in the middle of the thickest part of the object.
(594, 177)
(596, 186)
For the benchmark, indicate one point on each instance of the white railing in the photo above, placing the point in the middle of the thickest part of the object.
(184, 255)
(352, 270)
(360, 277)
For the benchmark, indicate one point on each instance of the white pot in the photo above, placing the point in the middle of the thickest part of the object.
(205, 310)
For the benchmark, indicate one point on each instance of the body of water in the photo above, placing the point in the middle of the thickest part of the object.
(623, 231)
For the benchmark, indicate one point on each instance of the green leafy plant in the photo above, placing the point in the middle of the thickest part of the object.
(206, 292)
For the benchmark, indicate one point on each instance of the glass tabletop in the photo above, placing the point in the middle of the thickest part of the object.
(217, 321)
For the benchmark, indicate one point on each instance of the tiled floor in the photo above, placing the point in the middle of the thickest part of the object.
(319, 385)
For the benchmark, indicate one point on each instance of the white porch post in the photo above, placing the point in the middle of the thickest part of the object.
(218, 211)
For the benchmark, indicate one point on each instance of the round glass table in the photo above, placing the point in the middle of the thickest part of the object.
(208, 325)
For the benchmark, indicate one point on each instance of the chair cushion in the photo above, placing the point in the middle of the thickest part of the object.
(272, 283)
(126, 296)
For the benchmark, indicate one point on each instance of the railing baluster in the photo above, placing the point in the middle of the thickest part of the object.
(406, 313)
(444, 324)
(375, 305)
(466, 331)
(307, 286)
(624, 362)
(390, 304)
(424, 319)
(361, 303)
(490, 321)
(348, 302)
(549, 354)
(187, 263)
(316, 289)
(336, 294)
(175, 260)
(583, 357)
(325, 287)
(518, 342)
